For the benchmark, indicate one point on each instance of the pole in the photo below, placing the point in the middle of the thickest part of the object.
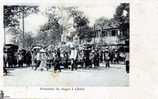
(23, 25)
(101, 34)
(4, 36)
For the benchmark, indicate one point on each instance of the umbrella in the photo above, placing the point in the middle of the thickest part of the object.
(42, 51)
(70, 44)
(36, 47)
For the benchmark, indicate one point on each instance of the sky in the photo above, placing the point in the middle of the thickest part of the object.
(92, 11)
(33, 22)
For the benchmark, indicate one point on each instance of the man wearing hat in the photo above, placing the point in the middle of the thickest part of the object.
(73, 57)
(107, 58)
(57, 61)
(96, 58)
(86, 57)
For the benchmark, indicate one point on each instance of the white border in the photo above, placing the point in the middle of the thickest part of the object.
(143, 56)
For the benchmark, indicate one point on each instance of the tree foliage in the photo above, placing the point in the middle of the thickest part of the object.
(81, 23)
(103, 22)
(50, 32)
(122, 15)
(59, 22)
(12, 14)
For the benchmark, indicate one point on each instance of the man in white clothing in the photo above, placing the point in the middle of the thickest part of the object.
(73, 57)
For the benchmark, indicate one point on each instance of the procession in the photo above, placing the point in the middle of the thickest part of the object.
(73, 58)
(68, 42)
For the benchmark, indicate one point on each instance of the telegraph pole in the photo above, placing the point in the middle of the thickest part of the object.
(23, 26)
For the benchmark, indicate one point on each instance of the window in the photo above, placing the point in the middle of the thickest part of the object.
(113, 33)
(104, 33)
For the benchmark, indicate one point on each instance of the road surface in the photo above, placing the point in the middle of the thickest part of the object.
(114, 76)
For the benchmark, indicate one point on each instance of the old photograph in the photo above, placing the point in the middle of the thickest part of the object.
(60, 45)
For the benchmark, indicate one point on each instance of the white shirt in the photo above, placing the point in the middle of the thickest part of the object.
(38, 56)
(73, 54)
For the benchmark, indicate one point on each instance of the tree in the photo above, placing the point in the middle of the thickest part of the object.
(51, 30)
(122, 13)
(102, 21)
(122, 17)
(60, 21)
(81, 22)
(12, 15)
(28, 40)
(9, 16)
(64, 20)
(14, 32)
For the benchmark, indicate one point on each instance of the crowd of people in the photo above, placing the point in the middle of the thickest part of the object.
(74, 58)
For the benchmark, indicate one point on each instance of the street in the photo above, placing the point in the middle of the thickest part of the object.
(114, 76)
